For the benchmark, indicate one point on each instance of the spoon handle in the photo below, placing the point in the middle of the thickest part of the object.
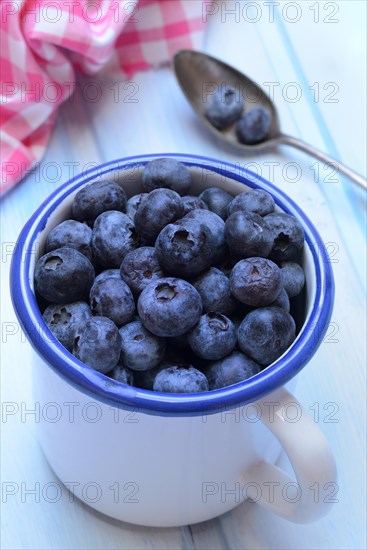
(339, 167)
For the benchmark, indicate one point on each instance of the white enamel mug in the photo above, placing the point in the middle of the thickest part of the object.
(175, 459)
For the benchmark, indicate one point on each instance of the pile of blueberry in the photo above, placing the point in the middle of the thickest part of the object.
(172, 292)
(226, 106)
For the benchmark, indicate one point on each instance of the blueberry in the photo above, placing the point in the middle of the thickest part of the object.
(253, 126)
(180, 379)
(63, 320)
(257, 201)
(216, 225)
(122, 374)
(96, 198)
(266, 333)
(98, 343)
(140, 349)
(189, 202)
(112, 298)
(224, 107)
(185, 248)
(63, 275)
(108, 274)
(169, 307)
(288, 236)
(247, 234)
(168, 173)
(255, 282)
(139, 268)
(159, 208)
(233, 369)
(293, 278)
(213, 337)
(217, 200)
(282, 301)
(213, 287)
(114, 235)
(133, 204)
(71, 234)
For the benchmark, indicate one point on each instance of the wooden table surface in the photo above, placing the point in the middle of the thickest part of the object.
(312, 55)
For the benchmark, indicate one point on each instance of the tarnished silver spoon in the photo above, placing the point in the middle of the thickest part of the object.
(198, 74)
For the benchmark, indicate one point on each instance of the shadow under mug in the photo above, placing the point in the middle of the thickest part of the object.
(176, 459)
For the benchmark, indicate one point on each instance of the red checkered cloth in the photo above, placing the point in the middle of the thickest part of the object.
(42, 42)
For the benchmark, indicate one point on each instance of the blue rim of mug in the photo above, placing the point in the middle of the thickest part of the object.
(100, 387)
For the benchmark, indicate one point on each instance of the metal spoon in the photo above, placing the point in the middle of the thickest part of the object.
(196, 72)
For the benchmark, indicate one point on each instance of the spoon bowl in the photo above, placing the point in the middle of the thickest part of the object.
(200, 75)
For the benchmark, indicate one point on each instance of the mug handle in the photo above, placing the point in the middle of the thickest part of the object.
(309, 496)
